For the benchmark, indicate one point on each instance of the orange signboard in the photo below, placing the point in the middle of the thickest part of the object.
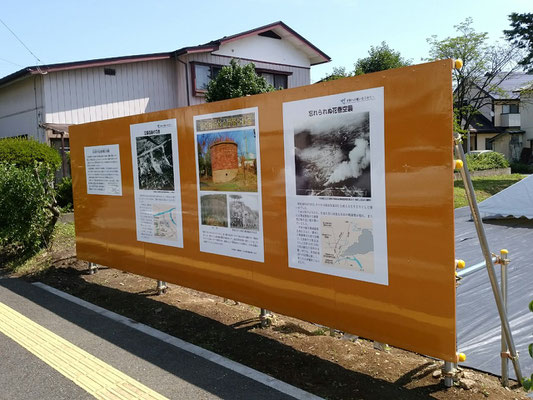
(331, 202)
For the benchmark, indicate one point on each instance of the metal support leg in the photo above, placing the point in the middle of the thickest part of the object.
(92, 268)
(266, 318)
(161, 287)
(505, 350)
(471, 196)
(449, 370)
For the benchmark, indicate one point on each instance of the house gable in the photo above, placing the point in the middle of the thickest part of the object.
(267, 49)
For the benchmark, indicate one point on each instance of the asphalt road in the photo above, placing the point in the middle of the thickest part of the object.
(45, 337)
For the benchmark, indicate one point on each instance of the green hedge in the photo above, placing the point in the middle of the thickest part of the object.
(483, 161)
(25, 152)
(26, 219)
(64, 194)
(521, 168)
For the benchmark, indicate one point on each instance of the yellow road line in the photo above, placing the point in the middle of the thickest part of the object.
(88, 372)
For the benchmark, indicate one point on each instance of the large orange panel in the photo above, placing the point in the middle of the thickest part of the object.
(412, 308)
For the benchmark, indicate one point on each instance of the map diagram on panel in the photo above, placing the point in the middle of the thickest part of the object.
(347, 243)
(165, 221)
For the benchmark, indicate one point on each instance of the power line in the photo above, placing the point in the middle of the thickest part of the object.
(21, 42)
(11, 62)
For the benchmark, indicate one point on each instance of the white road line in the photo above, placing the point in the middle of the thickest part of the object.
(189, 347)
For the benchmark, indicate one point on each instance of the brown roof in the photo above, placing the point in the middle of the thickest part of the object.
(279, 27)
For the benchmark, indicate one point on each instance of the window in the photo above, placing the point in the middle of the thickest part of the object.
(202, 75)
(110, 71)
(276, 80)
(510, 109)
(55, 143)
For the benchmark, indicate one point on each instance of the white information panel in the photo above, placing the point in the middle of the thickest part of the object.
(156, 180)
(229, 184)
(102, 167)
(335, 185)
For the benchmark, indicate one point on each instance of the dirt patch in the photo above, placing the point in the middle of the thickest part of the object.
(314, 358)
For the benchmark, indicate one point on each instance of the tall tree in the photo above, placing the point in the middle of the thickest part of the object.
(380, 58)
(485, 67)
(236, 81)
(521, 35)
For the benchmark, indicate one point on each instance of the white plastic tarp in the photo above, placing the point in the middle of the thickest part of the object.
(515, 201)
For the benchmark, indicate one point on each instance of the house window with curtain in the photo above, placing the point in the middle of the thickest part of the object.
(510, 109)
(202, 75)
(276, 80)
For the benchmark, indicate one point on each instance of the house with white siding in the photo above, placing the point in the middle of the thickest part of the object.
(503, 122)
(42, 101)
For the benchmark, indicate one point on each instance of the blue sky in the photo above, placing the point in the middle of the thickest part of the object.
(62, 31)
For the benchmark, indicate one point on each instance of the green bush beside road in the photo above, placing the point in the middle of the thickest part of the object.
(64, 194)
(28, 209)
(25, 216)
(25, 152)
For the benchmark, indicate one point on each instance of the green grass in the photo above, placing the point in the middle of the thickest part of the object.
(241, 183)
(484, 187)
(63, 238)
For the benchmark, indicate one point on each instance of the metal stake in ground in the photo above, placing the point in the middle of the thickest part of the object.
(471, 197)
(505, 351)
(265, 317)
(161, 287)
(92, 268)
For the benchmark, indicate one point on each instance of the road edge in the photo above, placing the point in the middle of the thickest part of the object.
(234, 366)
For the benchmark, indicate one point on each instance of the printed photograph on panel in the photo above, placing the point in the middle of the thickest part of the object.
(227, 161)
(347, 243)
(214, 209)
(154, 162)
(165, 221)
(332, 156)
(244, 211)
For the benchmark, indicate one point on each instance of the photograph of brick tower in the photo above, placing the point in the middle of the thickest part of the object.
(224, 161)
(228, 161)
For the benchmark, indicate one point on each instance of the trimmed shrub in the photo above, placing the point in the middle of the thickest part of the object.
(235, 81)
(26, 204)
(64, 194)
(521, 168)
(483, 161)
(25, 152)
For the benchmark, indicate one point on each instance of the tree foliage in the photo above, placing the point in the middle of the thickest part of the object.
(521, 35)
(337, 73)
(236, 81)
(25, 152)
(380, 58)
(485, 67)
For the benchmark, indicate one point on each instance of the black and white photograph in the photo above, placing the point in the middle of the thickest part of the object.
(244, 212)
(214, 209)
(332, 155)
(154, 162)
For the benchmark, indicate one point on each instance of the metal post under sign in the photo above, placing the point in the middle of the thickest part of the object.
(161, 287)
(93, 268)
